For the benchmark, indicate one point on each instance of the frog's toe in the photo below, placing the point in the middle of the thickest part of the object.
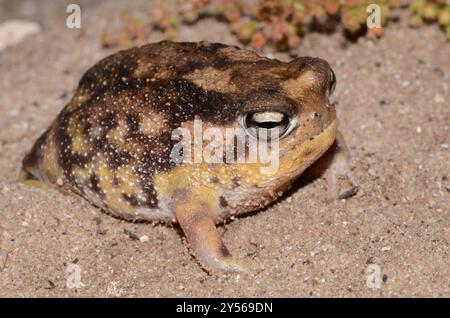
(216, 260)
(343, 189)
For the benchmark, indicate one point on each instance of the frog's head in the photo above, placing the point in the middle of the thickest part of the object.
(283, 106)
(291, 106)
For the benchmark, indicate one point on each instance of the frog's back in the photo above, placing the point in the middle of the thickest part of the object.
(115, 134)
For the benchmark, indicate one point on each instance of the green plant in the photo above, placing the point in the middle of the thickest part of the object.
(427, 11)
(281, 23)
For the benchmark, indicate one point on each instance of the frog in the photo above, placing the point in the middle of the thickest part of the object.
(113, 143)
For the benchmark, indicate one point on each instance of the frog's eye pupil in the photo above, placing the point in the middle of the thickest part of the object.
(276, 124)
(332, 84)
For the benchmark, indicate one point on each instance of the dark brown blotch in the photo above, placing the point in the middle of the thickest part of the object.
(223, 202)
(224, 250)
(131, 198)
(95, 184)
(214, 180)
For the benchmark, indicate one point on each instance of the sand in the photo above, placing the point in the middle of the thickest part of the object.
(391, 239)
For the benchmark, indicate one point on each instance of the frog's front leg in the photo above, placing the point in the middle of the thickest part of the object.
(335, 166)
(341, 182)
(195, 218)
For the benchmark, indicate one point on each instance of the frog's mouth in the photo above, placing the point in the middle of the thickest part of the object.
(301, 156)
(262, 188)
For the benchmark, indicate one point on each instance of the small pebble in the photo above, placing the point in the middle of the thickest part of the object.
(144, 238)
(438, 99)
(13, 113)
(13, 32)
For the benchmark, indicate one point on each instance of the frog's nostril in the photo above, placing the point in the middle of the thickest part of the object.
(315, 115)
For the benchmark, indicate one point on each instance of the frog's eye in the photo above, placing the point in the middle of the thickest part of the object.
(332, 84)
(267, 125)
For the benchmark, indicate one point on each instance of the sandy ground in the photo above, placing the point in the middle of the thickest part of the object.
(394, 106)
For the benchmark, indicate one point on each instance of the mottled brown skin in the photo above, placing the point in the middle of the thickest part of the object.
(111, 144)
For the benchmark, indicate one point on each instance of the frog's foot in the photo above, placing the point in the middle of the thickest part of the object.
(29, 179)
(341, 182)
(204, 239)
